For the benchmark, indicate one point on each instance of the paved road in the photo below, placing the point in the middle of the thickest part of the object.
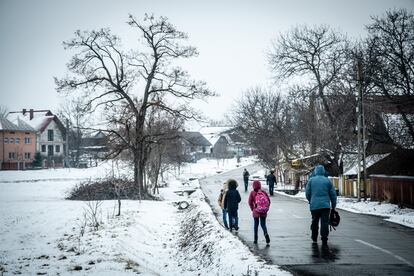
(362, 245)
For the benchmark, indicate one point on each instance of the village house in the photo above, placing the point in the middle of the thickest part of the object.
(50, 134)
(194, 145)
(18, 145)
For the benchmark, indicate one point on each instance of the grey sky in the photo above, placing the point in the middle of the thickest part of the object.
(231, 36)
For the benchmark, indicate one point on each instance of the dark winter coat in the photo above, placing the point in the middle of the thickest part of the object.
(232, 199)
(246, 175)
(252, 199)
(271, 179)
(319, 191)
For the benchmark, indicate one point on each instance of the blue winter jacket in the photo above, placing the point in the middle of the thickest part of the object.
(319, 190)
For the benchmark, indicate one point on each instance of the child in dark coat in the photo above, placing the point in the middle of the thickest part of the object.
(231, 204)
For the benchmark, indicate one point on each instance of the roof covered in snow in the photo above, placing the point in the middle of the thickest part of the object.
(194, 138)
(35, 119)
(18, 125)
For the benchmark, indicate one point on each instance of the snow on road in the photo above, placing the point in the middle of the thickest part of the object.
(42, 233)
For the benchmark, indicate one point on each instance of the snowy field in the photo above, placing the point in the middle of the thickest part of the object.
(41, 233)
(390, 212)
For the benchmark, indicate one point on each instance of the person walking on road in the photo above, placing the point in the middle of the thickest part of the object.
(221, 203)
(321, 195)
(246, 175)
(271, 181)
(231, 204)
(259, 203)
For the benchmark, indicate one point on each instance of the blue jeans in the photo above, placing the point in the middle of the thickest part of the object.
(233, 219)
(262, 224)
(246, 184)
(225, 218)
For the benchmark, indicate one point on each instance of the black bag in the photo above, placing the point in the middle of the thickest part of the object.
(334, 219)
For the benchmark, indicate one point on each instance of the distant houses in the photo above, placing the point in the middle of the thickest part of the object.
(42, 130)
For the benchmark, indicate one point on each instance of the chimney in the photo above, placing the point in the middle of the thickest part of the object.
(24, 111)
(31, 114)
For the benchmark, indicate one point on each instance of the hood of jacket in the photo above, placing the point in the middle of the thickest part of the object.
(232, 184)
(256, 185)
(319, 170)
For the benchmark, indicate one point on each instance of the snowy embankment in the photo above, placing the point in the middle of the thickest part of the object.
(43, 234)
(390, 212)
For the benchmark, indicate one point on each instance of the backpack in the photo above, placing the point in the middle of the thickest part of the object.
(262, 202)
(334, 219)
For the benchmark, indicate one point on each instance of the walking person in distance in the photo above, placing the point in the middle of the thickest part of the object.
(231, 204)
(246, 175)
(321, 195)
(271, 181)
(259, 203)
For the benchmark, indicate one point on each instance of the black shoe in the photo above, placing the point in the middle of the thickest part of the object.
(236, 227)
(255, 242)
(325, 243)
(315, 239)
(267, 238)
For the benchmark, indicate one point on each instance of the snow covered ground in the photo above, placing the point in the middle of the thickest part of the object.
(41, 233)
(390, 212)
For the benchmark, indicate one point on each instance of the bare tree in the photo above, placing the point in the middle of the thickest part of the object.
(263, 119)
(318, 53)
(320, 56)
(78, 118)
(391, 67)
(109, 78)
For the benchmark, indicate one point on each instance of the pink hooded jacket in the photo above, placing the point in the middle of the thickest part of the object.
(256, 187)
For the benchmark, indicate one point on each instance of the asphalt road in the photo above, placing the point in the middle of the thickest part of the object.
(362, 244)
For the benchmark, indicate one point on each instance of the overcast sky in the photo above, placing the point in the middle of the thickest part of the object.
(231, 36)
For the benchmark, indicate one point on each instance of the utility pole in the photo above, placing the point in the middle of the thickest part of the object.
(67, 144)
(361, 135)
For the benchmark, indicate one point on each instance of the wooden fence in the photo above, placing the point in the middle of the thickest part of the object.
(393, 189)
(349, 187)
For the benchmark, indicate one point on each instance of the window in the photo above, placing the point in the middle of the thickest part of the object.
(27, 140)
(27, 155)
(50, 134)
(57, 148)
(6, 140)
(11, 140)
(12, 155)
(50, 150)
(43, 148)
(17, 140)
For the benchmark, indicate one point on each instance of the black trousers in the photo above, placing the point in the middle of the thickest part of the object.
(323, 215)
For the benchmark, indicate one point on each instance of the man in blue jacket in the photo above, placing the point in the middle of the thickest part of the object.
(321, 195)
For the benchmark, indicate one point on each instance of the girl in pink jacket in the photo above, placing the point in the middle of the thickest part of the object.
(259, 203)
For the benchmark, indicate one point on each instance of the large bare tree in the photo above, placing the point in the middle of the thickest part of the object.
(142, 79)
(318, 56)
(263, 119)
(390, 68)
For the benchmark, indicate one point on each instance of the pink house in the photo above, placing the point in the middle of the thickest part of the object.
(50, 134)
(17, 145)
